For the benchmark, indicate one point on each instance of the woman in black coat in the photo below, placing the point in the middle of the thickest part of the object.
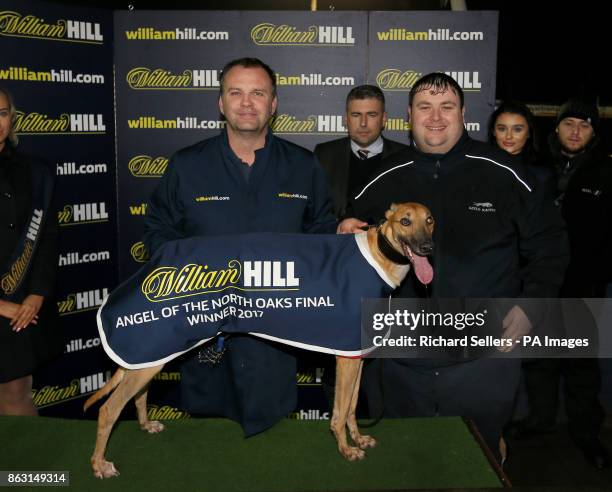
(28, 260)
(512, 129)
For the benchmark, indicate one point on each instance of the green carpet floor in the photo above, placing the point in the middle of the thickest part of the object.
(212, 455)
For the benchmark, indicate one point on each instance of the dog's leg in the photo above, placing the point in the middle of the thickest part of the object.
(132, 382)
(151, 426)
(363, 441)
(347, 371)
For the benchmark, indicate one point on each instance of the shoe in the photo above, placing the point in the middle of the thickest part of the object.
(595, 453)
(526, 429)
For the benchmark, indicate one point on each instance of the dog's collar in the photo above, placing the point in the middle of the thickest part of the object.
(388, 251)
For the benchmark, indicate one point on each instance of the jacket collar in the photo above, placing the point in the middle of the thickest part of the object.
(459, 149)
(7, 154)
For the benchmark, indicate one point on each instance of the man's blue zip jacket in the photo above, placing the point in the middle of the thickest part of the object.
(490, 214)
(204, 192)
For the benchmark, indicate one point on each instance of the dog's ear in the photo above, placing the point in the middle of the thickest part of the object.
(391, 211)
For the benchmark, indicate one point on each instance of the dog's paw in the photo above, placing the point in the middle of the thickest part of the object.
(105, 469)
(365, 442)
(152, 426)
(352, 453)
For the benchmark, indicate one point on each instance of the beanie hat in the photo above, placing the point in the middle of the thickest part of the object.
(576, 108)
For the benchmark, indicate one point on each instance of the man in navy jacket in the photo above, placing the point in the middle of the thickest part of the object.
(243, 180)
(489, 216)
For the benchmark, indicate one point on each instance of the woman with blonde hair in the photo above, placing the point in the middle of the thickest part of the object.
(28, 262)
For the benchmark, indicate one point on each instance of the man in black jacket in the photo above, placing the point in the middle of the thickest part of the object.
(584, 194)
(350, 161)
(489, 215)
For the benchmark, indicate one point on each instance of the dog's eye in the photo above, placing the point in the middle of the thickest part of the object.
(405, 222)
(430, 220)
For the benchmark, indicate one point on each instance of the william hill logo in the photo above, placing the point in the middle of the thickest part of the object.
(42, 124)
(397, 125)
(167, 282)
(82, 213)
(283, 35)
(12, 279)
(82, 301)
(158, 78)
(140, 209)
(30, 26)
(145, 166)
(394, 79)
(139, 252)
(314, 124)
(310, 378)
(54, 395)
(155, 412)
(167, 376)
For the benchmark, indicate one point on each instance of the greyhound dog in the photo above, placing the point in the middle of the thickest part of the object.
(404, 239)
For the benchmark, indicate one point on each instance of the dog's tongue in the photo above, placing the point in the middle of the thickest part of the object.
(422, 269)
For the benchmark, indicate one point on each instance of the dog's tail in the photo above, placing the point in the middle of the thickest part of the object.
(106, 389)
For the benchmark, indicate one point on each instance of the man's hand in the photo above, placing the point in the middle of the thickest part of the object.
(350, 226)
(515, 325)
(27, 312)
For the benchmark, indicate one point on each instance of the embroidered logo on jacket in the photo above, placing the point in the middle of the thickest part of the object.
(293, 195)
(214, 198)
(591, 192)
(482, 207)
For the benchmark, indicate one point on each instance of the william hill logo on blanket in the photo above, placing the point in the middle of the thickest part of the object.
(30, 26)
(166, 283)
(267, 34)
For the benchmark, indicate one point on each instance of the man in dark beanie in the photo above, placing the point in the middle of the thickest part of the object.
(576, 108)
(584, 194)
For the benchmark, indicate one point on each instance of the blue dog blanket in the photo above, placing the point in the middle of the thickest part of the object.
(303, 290)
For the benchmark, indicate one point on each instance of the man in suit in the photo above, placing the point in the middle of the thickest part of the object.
(350, 161)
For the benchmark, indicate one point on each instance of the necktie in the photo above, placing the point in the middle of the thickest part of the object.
(363, 154)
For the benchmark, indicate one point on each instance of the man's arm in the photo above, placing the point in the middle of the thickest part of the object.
(165, 211)
(318, 217)
(544, 245)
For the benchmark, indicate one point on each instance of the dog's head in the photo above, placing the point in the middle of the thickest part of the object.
(409, 227)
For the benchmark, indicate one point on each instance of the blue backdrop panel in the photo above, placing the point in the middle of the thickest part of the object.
(406, 45)
(167, 71)
(57, 61)
(318, 57)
